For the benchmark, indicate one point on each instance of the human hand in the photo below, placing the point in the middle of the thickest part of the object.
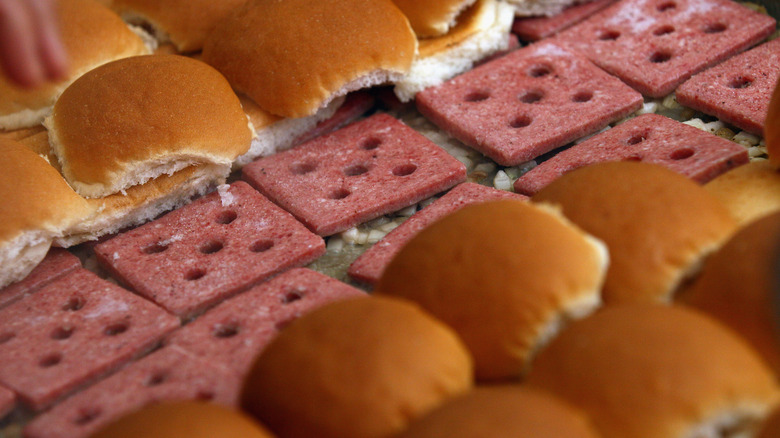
(31, 51)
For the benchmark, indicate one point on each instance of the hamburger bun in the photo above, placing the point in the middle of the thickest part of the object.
(92, 35)
(738, 284)
(37, 206)
(658, 225)
(749, 191)
(185, 23)
(502, 411)
(772, 128)
(281, 53)
(362, 367)
(135, 119)
(657, 371)
(180, 419)
(480, 31)
(505, 275)
(432, 19)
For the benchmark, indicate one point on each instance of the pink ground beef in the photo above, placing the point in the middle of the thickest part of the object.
(57, 263)
(651, 138)
(537, 28)
(235, 332)
(72, 331)
(166, 375)
(737, 91)
(7, 401)
(368, 267)
(528, 103)
(202, 253)
(370, 168)
(655, 45)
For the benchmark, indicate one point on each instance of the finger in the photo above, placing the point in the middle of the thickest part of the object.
(18, 57)
(52, 53)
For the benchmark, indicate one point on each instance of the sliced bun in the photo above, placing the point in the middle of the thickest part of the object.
(361, 367)
(482, 30)
(738, 284)
(505, 275)
(502, 411)
(432, 18)
(293, 57)
(532, 8)
(659, 226)
(657, 371)
(749, 191)
(92, 35)
(37, 206)
(135, 119)
(185, 23)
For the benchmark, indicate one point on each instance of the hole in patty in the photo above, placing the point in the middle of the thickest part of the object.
(7, 336)
(532, 96)
(637, 138)
(582, 96)
(609, 35)
(716, 27)
(477, 96)
(666, 6)
(663, 30)
(195, 274)
(50, 360)
(62, 333)
(660, 57)
(338, 194)
(156, 379)
(681, 154)
(211, 247)
(302, 168)
(87, 416)
(116, 329)
(293, 295)
(520, 122)
(404, 169)
(262, 245)
(155, 248)
(227, 330)
(740, 82)
(357, 169)
(539, 70)
(74, 303)
(226, 217)
(370, 143)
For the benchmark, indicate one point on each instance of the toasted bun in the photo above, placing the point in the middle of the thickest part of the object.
(362, 367)
(737, 286)
(772, 128)
(92, 35)
(531, 8)
(657, 224)
(282, 54)
(185, 23)
(135, 119)
(37, 205)
(502, 411)
(749, 191)
(176, 419)
(505, 275)
(432, 19)
(657, 371)
(481, 30)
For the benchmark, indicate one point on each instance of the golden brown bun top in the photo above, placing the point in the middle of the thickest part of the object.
(291, 56)
(92, 35)
(136, 110)
(468, 269)
(772, 128)
(432, 18)
(749, 191)
(502, 411)
(187, 22)
(183, 419)
(34, 195)
(653, 370)
(356, 368)
(656, 223)
(471, 21)
(737, 285)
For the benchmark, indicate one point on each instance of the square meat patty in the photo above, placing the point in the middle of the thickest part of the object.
(537, 28)
(57, 263)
